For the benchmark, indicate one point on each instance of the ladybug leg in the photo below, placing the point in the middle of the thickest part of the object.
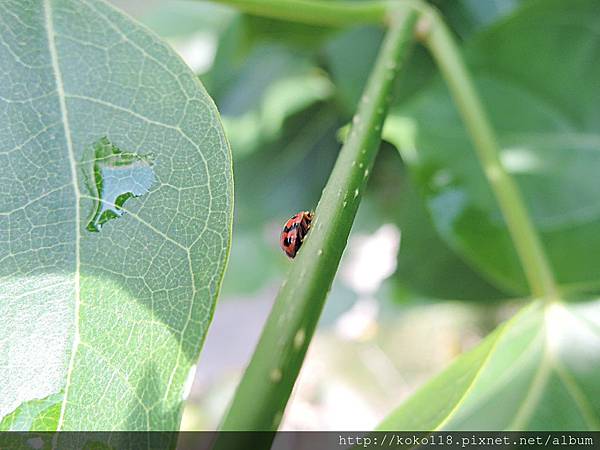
(303, 227)
(301, 232)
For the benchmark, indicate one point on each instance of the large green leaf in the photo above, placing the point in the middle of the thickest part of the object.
(115, 219)
(538, 75)
(539, 371)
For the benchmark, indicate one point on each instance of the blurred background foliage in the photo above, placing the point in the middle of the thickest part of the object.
(421, 280)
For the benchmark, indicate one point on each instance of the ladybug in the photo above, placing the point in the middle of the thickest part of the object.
(294, 232)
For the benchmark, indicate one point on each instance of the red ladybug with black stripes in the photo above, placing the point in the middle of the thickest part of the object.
(294, 232)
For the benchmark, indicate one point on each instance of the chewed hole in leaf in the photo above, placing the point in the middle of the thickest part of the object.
(114, 176)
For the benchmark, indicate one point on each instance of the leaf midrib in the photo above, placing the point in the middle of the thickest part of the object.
(548, 364)
(49, 26)
(476, 377)
(504, 379)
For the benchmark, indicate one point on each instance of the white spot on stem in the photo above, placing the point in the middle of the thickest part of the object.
(275, 375)
(299, 338)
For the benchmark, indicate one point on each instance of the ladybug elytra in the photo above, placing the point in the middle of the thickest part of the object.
(294, 232)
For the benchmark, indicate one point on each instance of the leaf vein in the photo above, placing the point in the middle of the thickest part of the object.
(49, 26)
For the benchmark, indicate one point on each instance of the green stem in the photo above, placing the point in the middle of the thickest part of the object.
(442, 45)
(328, 13)
(263, 393)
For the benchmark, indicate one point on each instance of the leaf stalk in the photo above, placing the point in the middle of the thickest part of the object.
(313, 12)
(437, 37)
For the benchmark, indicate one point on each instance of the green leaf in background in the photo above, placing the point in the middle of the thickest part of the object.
(259, 83)
(547, 121)
(182, 18)
(538, 371)
(39, 415)
(101, 329)
(348, 72)
(426, 265)
(466, 17)
(279, 96)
